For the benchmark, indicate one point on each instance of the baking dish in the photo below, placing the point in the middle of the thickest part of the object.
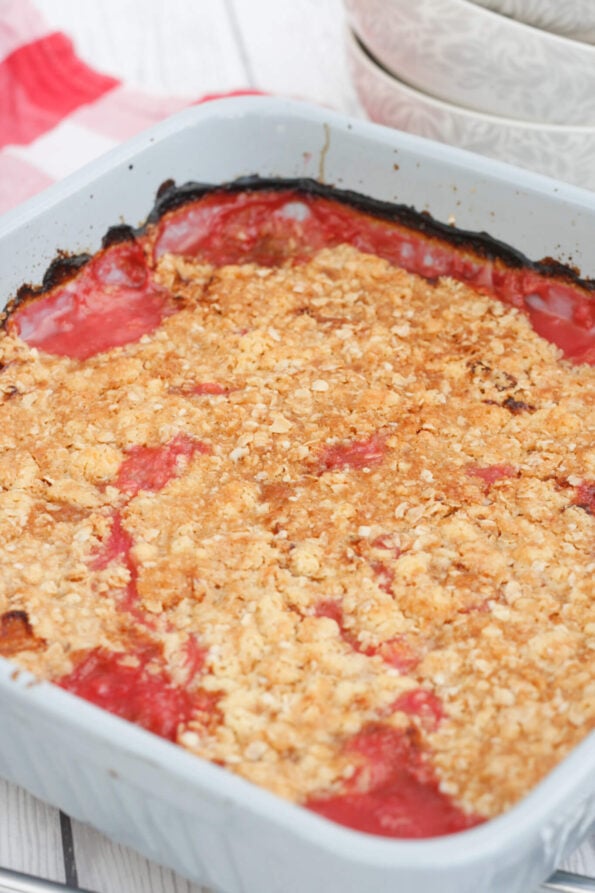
(187, 814)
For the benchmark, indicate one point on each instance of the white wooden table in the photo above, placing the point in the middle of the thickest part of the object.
(186, 48)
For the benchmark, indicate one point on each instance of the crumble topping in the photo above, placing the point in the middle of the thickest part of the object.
(370, 511)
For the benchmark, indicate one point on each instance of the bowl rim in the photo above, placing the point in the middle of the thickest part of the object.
(358, 48)
(471, 8)
(545, 31)
(540, 33)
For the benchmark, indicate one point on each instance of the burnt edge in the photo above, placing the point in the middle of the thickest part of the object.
(17, 616)
(61, 269)
(170, 197)
(16, 625)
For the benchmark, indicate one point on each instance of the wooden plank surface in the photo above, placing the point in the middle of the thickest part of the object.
(305, 58)
(192, 47)
(188, 48)
(178, 47)
(106, 867)
(30, 837)
(582, 861)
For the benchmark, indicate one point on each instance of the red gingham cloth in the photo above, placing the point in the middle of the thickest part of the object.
(57, 113)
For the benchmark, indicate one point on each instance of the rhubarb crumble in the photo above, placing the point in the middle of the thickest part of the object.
(304, 490)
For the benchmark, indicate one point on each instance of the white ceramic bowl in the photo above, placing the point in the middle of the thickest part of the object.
(567, 153)
(571, 18)
(462, 53)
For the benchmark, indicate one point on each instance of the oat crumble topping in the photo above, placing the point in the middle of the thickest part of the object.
(383, 501)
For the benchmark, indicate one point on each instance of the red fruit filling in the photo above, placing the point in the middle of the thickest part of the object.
(112, 301)
(585, 497)
(151, 468)
(141, 695)
(492, 473)
(357, 454)
(394, 793)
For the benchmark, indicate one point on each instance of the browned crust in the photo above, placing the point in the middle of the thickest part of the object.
(16, 634)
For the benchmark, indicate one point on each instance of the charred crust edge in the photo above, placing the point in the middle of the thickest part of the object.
(20, 617)
(63, 268)
(116, 234)
(170, 197)
(17, 634)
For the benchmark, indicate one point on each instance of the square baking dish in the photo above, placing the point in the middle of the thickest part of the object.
(209, 825)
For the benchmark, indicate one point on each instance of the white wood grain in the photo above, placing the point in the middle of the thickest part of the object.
(177, 47)
(297, 49)
(30, 838)
(109, 868)
(582, 861)
(191, 47)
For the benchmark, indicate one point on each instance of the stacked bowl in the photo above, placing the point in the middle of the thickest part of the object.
(512, 79)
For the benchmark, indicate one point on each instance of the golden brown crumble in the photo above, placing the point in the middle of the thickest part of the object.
(484, 577)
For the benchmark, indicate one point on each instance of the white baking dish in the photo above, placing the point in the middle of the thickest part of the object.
(204, 822)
